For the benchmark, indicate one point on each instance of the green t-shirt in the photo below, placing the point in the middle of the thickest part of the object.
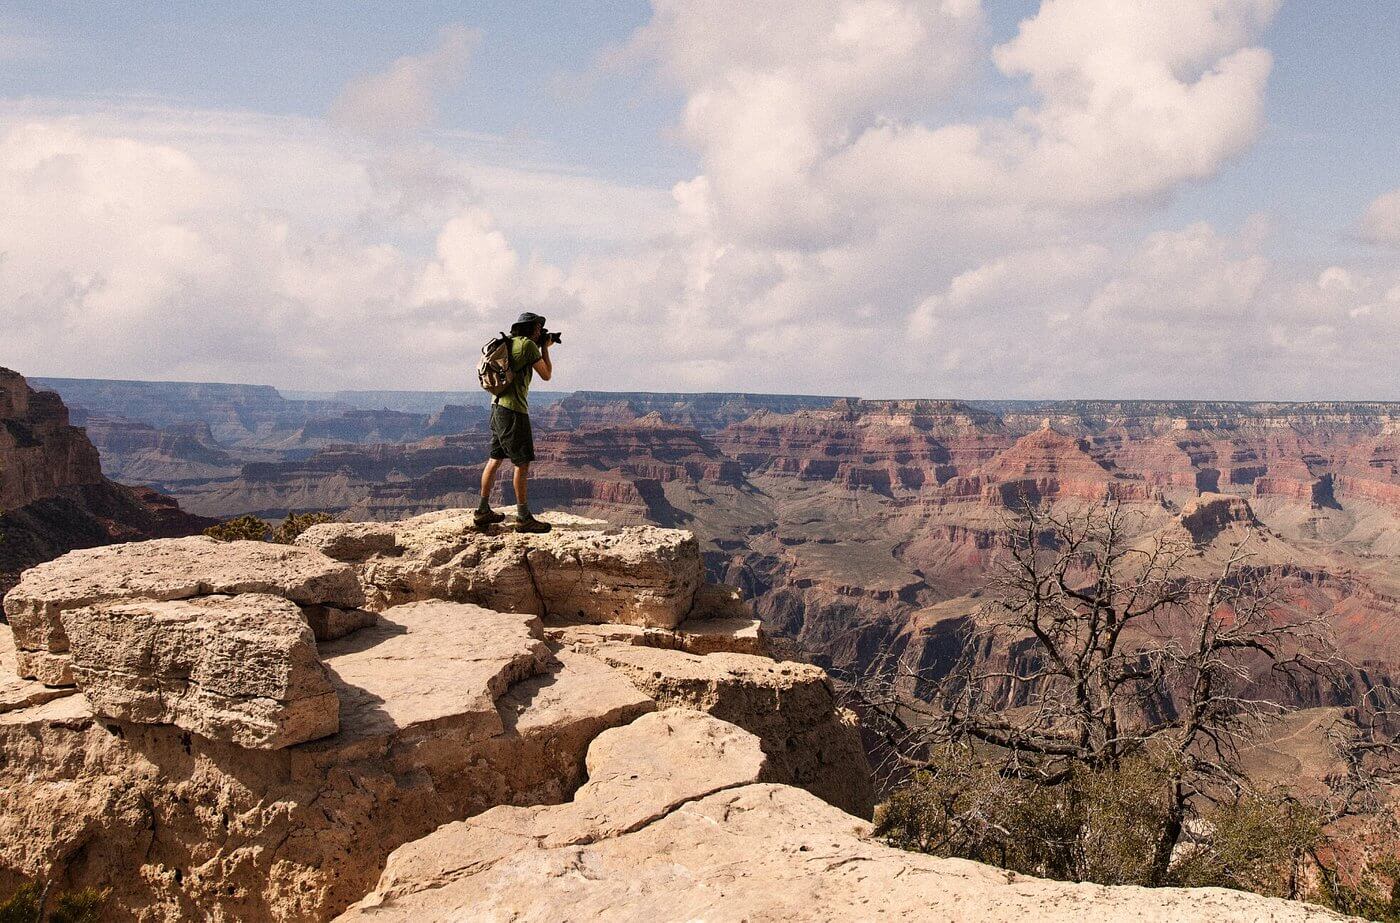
(524, 353)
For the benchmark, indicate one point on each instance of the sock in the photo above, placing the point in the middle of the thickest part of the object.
(485, 506)
(522, 511)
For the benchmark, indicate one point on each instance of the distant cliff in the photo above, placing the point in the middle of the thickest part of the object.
(53, 495)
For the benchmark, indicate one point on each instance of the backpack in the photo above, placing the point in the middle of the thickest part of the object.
(494, 371)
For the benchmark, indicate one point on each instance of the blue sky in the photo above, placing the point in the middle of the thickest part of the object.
(1333, 104)
(712, 175)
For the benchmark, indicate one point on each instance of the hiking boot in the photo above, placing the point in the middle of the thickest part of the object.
(484, 518)
(531, 524)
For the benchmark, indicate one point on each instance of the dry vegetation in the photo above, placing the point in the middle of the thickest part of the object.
(1094, 726)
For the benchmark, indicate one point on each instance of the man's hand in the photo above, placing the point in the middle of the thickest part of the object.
(543, 366)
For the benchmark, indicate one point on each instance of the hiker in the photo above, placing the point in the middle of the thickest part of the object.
(510, 421)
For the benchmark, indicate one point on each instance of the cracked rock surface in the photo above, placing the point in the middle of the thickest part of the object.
(673, 824)
(638, 575)
(243, 669)
(163, 569)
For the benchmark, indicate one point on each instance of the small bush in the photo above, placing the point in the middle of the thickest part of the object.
(1093, 826)
(243, 528)
(1260, 842)
(297, 523)
(82, 906)
(1103, 826)
(22, 906)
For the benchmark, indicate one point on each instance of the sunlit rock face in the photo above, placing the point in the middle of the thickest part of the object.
(217, 751)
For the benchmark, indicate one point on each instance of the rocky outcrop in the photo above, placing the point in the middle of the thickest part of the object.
(639, 576)
(675, 823)
(790, 707)
(242, 669)
(1205, 517)
(169, 569)
(216, 760)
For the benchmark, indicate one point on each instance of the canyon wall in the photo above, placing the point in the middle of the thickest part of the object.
(53, 494)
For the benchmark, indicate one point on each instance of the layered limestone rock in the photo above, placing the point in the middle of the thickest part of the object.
(639, 575)
(675, 824)
(242, 669)
(1208, 515)
(810, 742)
(170, 569)
(215, 761)
(445, 713)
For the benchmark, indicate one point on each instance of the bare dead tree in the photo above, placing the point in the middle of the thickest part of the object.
(1100, 645)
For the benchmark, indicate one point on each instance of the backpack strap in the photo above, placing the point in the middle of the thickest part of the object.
(514, 370)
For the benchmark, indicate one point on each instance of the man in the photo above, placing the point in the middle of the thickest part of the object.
(510, 424)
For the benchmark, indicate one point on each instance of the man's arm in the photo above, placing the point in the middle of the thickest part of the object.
(543, 367)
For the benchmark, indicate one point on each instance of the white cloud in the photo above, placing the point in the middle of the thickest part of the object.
(838, 237)
(403, 97)
(1381, 223)
(186, 244)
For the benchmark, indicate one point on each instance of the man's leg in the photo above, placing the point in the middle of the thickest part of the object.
(488, 479)
(486, 516)
(522, 489)
(525, 521)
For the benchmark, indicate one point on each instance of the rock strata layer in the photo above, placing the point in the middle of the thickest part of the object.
(640, 575)
(242, 669)
(165, 569)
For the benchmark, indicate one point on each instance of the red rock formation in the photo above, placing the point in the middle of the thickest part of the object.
(53, 495)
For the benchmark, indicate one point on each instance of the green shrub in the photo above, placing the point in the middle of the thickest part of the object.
(1103, 826)
(22, 906)
(297, 523)
(243, 528)
(82, 906)
(1099, 827)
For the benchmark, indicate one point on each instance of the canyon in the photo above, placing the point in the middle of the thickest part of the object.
(861, 530)
(418, 720)
(403, 717)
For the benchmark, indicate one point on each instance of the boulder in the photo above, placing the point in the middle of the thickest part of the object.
(681, 844)
(242, 669)
(164, 569)
(639, 575)
(790, 707)
(428, 663)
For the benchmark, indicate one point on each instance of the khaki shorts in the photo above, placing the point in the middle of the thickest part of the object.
(511, 436)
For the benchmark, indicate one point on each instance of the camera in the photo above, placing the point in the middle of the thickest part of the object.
(549, 336)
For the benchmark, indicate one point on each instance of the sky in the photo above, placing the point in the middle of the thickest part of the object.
(889, 198)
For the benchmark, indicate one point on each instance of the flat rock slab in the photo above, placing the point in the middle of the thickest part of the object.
(639, 575)
(17, 693)
(163, 569)
(759, 853)
(694, 636)
(422, 664)
(241, 669)
(637, 774)
(790, 706)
